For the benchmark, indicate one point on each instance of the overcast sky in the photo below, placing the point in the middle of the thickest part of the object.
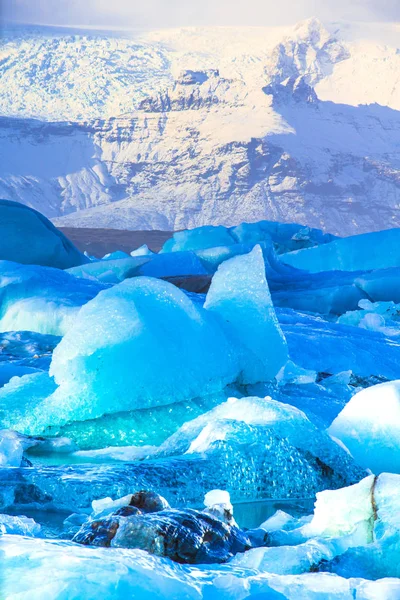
(174, 13)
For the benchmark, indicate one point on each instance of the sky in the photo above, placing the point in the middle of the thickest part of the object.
(177, 13)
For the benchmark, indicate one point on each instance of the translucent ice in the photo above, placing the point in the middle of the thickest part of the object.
(369, 425)
(19, 525)
(239, 296)
(254, 448)
(107, 360)
(286, 236)
(171, 264)
(110, 271)
(115, 255)
(92, 572)
(143, 250)
(368, 251)
(20, 401)
(27, 237)
(41, 299)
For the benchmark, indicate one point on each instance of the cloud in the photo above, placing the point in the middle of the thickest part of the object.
(174, 13)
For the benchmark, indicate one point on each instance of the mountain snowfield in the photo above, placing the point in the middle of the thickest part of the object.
(177, 128)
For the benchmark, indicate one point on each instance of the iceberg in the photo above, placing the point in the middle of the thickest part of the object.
(240, 297)
(108, 356)
(172, 264)
(285, 236)
(110, 271)
(41, 299)
(255, 448)
(19, 525)
(369, 425)
(107, 360)
(27, 237)
(365, 252)
(143, 250)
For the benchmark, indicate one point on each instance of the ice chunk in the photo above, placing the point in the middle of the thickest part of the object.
(110, 271)
(143, 250)
(27, 237)
(41, 299)
(216, 497)
(14, 444)
(207, 236)
(327, 347)
(218, 504)
(171, 264)
(369, 425)
(286, 236)
(376, 316)
(9, 370)
(368, 251)
(21, 397)
(239, 295)
(92, 572)
(107, 360)
(115, 255)
(19, 525)
(341, 512)
(11, 449)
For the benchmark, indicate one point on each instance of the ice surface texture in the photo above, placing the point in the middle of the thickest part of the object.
(41, 299)
(369, 425)
(27, 237)
(108, 357)
(377, 250)
(254, 447)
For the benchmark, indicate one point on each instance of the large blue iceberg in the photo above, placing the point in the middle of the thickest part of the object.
(27, 237)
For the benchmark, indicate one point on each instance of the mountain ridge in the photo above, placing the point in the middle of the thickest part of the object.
(222, 136)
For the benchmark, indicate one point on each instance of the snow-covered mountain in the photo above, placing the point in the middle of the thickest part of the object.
(177, 128)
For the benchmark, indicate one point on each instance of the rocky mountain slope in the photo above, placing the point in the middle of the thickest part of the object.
(178, 128)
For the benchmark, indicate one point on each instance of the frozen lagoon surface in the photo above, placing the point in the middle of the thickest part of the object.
(219, 420)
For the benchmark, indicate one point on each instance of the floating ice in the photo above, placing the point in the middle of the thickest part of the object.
(368, 251)
(19, 525)
(171, 264)
(41, 299)
(218, 504)
(376, 316)
(143, 250)
(107, 359)
(13, 445)
(239, 295)
(286, 236)
(369, 425)
(110, 271)
(116, 255)
(90, 572)
(20, 401)
(27, 237)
